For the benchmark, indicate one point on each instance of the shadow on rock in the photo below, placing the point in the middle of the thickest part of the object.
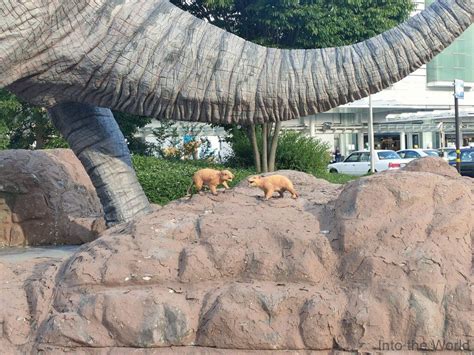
(46, 198)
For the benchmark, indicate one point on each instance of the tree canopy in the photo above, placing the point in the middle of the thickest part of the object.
(301, 23)
(24, 126)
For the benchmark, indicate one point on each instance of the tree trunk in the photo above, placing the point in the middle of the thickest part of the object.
(39, 139)
(95, 138)
(269, 140)
(256, 154)
(265, 148)
(274, 145)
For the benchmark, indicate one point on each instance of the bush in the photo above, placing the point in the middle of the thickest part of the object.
(167, 180)
(56, 142)
(337, 178)
(299, 152)
(295, 151)
(242, 151)
(4, 137)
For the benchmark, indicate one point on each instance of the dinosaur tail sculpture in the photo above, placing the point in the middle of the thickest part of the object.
(167, 63)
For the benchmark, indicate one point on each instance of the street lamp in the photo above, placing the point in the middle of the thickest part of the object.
(371, 136)
(458, 94)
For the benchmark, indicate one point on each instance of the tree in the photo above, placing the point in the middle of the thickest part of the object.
(297, 24)
(129, 125)
(24, 126)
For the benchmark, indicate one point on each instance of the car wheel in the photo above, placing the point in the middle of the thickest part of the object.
(368, 172)
(333, 171)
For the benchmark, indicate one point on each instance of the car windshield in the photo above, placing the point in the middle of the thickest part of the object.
(388, 155)
(432, 153)
(354, 157)
(411, 154)
(467, 156)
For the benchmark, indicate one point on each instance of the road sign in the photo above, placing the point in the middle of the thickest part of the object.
(458, 89)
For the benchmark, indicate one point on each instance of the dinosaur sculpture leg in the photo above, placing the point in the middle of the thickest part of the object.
(96, 139)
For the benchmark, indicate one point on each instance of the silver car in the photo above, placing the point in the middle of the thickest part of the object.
(358, 163)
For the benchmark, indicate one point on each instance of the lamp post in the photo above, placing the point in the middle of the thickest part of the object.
(371, 136)
(458, 94)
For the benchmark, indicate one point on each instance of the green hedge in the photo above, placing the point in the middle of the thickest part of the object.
(296, 151)
(166, 180)
(336, 178)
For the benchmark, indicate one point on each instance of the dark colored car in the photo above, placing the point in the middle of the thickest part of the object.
(467, 161)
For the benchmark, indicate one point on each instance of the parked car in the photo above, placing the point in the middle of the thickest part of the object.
(467, 161)
(433, 152)
(450, 153)
(358, 163)
(418, 153)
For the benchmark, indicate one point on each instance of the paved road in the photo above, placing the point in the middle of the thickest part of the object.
(15, 255)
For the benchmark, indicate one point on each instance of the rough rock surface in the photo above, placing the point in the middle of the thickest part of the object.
(46, 198)
(385, 259)
(432, 165)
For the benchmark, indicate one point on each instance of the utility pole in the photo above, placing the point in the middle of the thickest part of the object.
(458, 94)
(371, 136)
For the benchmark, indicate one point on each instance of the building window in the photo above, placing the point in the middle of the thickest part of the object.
(455, 62)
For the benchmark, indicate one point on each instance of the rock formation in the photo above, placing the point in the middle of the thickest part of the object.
(46, 198)
(382, 261)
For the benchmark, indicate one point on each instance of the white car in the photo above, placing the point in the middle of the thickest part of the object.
(358, 163)
(417, 153)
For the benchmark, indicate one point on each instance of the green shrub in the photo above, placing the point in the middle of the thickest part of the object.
(336, 178)
(298, 152)
(56, 142)
(295, 151)
(4, 138)
(242, 151)
(166, 180)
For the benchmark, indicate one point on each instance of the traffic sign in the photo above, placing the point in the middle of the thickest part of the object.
(458, 89)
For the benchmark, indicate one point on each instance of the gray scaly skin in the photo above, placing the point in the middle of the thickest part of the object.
(148, 57)
(94, 136)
